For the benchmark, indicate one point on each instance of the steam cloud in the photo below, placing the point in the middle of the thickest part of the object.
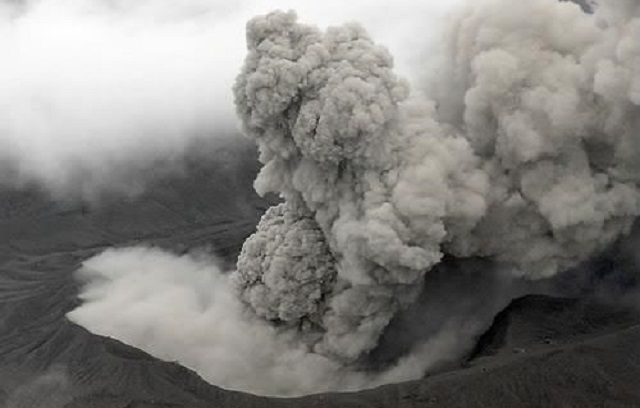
(90, 91)
(528, 155)
(521, 148)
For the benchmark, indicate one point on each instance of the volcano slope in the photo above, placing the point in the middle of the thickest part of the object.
(539, 351)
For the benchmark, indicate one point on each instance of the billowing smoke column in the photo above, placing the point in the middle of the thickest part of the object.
(528, 155)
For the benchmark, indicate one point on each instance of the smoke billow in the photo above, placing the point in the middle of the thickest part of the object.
(527, 155)
(520, 147)
(184, 308)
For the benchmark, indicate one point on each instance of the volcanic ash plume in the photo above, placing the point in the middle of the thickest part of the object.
(527, 154)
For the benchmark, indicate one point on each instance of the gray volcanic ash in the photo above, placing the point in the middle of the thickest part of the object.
(528, 155)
